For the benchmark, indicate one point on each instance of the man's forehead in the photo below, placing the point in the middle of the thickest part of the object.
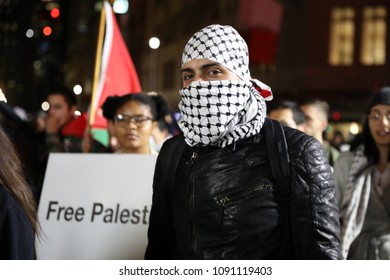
(57, 98)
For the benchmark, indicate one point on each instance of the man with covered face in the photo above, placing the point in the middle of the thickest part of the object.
(220, 200)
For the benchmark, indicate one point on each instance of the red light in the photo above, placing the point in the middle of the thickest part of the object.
(336, 116)
(47, 31)
(55, 13)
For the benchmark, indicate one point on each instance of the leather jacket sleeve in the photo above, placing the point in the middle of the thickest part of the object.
(314, 212)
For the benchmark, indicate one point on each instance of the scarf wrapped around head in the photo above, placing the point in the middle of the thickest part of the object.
(223, 44)
(221, 112)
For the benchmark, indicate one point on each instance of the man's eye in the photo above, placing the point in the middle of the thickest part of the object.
(214, 72)
(187, 77)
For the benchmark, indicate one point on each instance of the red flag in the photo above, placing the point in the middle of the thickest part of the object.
(260, 13)
(261, 31)
(117, 73)
(76, 127)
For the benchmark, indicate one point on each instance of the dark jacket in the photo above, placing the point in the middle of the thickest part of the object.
(16, 232)
(225, 205)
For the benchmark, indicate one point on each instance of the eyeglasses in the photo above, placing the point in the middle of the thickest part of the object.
(376, 117)
(125, 120)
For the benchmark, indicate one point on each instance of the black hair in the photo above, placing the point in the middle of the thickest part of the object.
(69, 96)
(165, 119)
(161, 106)
(112, 104)
(298, 116)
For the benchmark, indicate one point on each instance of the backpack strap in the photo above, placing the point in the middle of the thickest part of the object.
(170, 153)
(278, 155)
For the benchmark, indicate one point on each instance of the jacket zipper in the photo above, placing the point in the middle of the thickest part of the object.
(191, 205)
(192, 159)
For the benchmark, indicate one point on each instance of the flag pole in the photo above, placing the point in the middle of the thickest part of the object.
(98, 61)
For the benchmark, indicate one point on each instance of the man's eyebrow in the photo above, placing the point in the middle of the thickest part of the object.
(208, 65)
(187, 70)
(204, 66)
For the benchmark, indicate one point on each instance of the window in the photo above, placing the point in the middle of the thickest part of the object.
(342, 36)
(373, 51)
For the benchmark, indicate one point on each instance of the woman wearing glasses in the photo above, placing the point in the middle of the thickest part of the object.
(132, 118)
(362, 179)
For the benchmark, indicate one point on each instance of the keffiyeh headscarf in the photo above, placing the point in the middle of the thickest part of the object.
(221, 112)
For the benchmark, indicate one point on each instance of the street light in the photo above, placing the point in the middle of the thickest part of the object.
(154, 43)
(121, 6)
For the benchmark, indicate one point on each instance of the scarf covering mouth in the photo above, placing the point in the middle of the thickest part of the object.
(220, 113)
(223, 44)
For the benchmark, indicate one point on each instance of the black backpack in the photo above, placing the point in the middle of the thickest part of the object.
(276, 145)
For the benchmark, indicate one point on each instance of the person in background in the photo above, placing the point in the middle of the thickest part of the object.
(64, 130)
(162, 131)
(288, 113)
(132, 118)
(18, 215)
(362, 178)
(62, 109)
(338, 141)
(316, 114)
(29, 144)
(221, 202)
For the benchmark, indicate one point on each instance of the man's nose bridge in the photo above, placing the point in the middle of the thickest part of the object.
(198, 77)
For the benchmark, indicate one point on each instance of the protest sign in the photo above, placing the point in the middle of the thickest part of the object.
(95, 206)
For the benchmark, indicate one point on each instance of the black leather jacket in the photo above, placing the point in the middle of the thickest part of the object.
(225, 205)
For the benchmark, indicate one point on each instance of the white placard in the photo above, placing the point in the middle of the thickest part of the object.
(95, 206)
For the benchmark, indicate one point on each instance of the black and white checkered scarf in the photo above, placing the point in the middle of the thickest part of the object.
(221, 112)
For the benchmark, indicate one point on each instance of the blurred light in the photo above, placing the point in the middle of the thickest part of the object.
(47, 31)
(98, 6)
(55, 13)
(45, 106)
(82, 26)
(336, 116)
(29, 33)
(77, 113)
(154, 43)
(51, 5)
(20, 112)
(77, 89)
(354, 128)
(121, 6)
(37, 64)
(2, 96)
